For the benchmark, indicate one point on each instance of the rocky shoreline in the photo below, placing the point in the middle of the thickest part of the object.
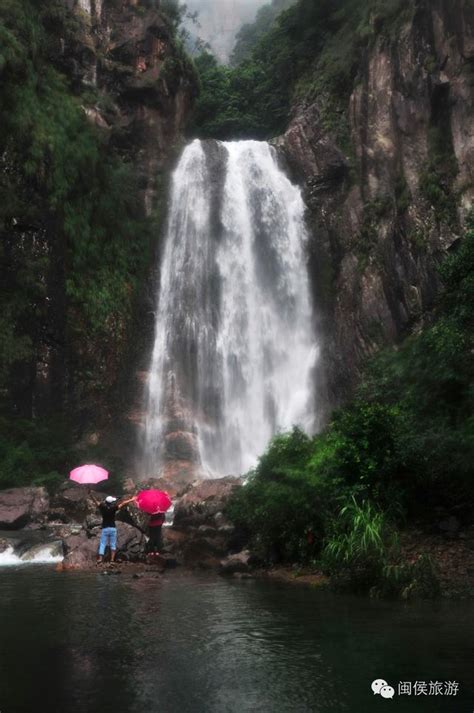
(68, 522)
(64, 528)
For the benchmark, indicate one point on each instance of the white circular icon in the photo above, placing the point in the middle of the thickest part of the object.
(378, 684)
(387, 692)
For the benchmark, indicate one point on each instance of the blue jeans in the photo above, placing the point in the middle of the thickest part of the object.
(109, 534)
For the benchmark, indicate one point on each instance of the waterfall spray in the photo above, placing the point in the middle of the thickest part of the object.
(234, 349)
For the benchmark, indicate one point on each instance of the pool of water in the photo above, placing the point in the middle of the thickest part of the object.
(77, 642)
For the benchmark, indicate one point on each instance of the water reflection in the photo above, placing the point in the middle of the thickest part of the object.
(192, 644)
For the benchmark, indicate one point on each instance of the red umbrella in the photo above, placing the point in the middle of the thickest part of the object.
(88, 474)
(153, 501)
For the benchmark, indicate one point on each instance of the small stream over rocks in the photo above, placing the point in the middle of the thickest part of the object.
(29, 547)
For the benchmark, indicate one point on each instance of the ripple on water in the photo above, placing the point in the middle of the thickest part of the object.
(195, 644)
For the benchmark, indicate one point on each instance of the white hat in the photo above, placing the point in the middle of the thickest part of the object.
(110, 499)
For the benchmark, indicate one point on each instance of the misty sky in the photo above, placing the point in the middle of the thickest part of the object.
(220, 20)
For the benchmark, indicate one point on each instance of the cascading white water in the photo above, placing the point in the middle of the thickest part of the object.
(44, 554)
(234, 347)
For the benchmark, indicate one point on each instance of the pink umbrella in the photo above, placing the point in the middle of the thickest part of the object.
(153, 501)
(88, 474)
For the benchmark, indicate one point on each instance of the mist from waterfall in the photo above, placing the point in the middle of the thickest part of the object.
(234, 352)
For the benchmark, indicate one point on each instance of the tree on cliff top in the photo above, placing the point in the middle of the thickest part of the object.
(310, 49)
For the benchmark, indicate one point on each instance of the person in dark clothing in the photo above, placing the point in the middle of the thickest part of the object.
(154, 533)
(108, 509)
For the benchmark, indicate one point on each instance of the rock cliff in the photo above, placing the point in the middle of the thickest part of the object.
(67, 249)
(387, 202)
(144, 85)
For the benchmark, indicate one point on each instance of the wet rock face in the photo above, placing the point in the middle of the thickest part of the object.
(22, 506)
(204, 501)
(130, 542)
(125, 50)
(80, 551)
(201, 535)
(72, 504)
(70, 523)
(377, 235)
(81, 548)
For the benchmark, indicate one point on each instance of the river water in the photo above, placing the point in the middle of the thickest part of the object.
(80, 642)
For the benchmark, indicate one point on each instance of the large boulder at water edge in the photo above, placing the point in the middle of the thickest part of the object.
(130, 542)
(80, 551)
(201, 535)
(196, 549)
(21, 506)
(81, 548)
(204, 501)
(73, 503)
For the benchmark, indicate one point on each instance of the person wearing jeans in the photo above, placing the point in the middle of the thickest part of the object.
(108, 510)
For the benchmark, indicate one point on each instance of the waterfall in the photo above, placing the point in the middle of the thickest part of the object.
(234, 351)
(38, 554)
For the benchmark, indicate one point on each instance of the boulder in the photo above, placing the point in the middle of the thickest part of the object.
(57, 516)
(63, 531)
(173, 539)
(204, 501)
(174, 489)
(240, 562)
(81, 548)
(80, 551)
(93, 523)
(194, 549)
(74, 503)
(129, 487)
(179, 474)
(21, 506)
(183, 446)
(130, 542)
(201, 535)
(134, 517)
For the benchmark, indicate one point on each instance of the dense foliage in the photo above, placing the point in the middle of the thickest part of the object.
(403, 446)
(73, 239)
(251, 33)
(310, 49)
